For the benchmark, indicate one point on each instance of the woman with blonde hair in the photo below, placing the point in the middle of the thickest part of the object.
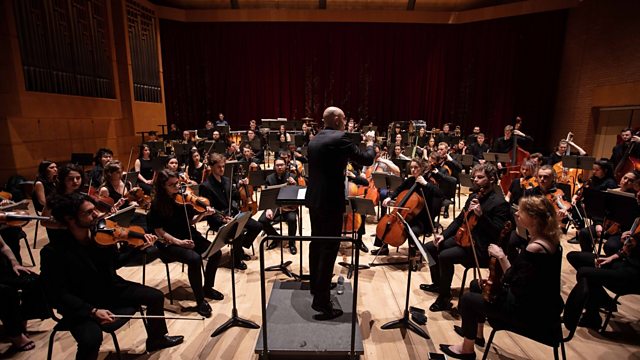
(531, 296)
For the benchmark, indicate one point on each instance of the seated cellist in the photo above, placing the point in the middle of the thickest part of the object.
(489, 211)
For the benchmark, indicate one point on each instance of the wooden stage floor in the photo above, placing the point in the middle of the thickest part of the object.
(381, 299)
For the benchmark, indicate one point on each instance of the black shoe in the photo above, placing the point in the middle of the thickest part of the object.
(327, 312)
(441, 304)
(380, 251)
(204, 309)
(214, 294)
(293, 249)
(240, 265)
(590, 321)
(164, 342)
(445, 349)
(430, 288)
(363, 247)
(246, 256)
(272, 245)
(458, 330)
(573, 240)
(446, 216)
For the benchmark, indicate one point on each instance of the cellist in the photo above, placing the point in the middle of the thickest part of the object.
(490, 211)
(426, 190)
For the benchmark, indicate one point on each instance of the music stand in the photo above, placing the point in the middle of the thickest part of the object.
(294, 195)
(363, 207)
(394, 182)
(503, 157)
(182, 149)
(223, 235)
(82, 159)
(268, 198)
(298, 140)
(490, 157)
(222, 129)
(158, 163)
(155, 147)
(132, 177)
(124, 216)
(257, 178)
(355, 137)
(405, 322)
(402, 164)
(578, 162)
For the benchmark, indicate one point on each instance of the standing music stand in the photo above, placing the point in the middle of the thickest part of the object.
(268, 198)
(490, 157)
(405, 322)
(619, 208)
(363, 207)
(231, 231)
(132, 178)
(578, 162)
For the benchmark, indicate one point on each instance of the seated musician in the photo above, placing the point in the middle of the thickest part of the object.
(478, 148)
(447, 167)
(454, 166)
(421, 224)
(114, 186)
(173, 133)
(296, 154)
(10, 310)
(287, 214)
(307, 131)
(397, 153)
(530, 296)
(233, 151)
(82, 284)
(473, 137)
(382, 164)
(182, 242)
(282, 131)
(45, 183)
(247, 158)
(618, 272)
(217, 188)
(102, 157)
(358, 178)
(144, 167)
(561, 150)
(294, 166)
(70, 182)
(445, 136)
(519, 185)
(255, 143)
(504, 144)
(626, 146)
(612, 231)
(195, 171)
(490, 211)
(602, 178)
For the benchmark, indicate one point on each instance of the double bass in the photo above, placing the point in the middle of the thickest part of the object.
(627, 162)
(517, 156)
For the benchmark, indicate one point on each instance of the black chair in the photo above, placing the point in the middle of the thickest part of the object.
(108, 328)
(610, 310)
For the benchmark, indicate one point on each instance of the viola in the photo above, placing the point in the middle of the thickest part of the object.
(198, 203)
(492, 288)
(463, 235)
(137, 194)
(109, 233)
(529, 183)
(390, 228)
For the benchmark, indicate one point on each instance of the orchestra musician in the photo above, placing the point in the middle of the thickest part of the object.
(397, 153)
(618, 272)
(531, 283)
(445, 136)
(182, 242)
(195, 170)
(144, 167)
(329, 152)
(250, 161)
(282, 131)
(454, 166)
(174, 133)
(491, 212)
(13, 320)
(477, 148)
(519, 185)
(221, 120)
(80, 281)
(562, 150)
(287, 214)
(504, 144)
(102, 157)
(218, 188)
(628, 139)
(382, 164)
(255, 143)
(420, 174)
(473, 137)
(45, 183)
(70, 182)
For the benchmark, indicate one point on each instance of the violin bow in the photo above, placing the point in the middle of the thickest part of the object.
(473, 245)
(593, 240)
(126, 171)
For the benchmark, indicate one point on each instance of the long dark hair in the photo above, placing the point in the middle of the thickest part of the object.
(162, 201)
(141, 151)
(43, 168)
(63, 172)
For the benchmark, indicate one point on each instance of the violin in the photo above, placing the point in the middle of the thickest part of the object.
(390, 228)
(19, 218)
(492, 288)
(528, 183)
(108, 233)
(4, 195)
(137, 194)
(198, 203)
(463, 235)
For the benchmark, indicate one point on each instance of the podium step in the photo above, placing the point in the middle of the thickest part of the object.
(293, 333)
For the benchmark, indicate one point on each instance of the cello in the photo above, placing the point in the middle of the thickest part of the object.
(391, 229)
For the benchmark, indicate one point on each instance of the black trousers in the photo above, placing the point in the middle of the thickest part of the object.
(619, 277)
(10, 312)
(322, 254)
(88, 333)
(192, 258)
(446, 256)
(12, 235)
(611, 246)
(290, 217)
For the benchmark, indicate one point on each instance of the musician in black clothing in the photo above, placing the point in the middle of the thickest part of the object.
(473, 137)
(491, 212)
(421, 173)
(505, 143)
(287, 214)
(478, 148)
(102, 157)
(182, 242)
(520, 185)
(217, 188)
(628, 141)
(329, 152)
(254, 141)
(445, 136)
(81, 282)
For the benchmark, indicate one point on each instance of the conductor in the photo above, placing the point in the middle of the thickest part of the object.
(329, 152)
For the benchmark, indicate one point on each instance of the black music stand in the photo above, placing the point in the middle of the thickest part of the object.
(268, 198)
(131, 177)
(222, 129)
(405, 322)
(402, 164)
(257, 178)
(621, 208)
(155, 147)
(355, 137)
(578, 162)
(363, 207)
(157, 163)
(228, 233)
(294, 195)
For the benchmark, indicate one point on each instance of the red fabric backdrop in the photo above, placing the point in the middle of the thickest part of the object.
(472, 74)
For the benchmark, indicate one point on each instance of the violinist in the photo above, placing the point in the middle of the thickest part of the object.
(102, 157)
(218, 189)
(618, 272)
(473, 137)
(290, 216)
(248, 159)
(144, 167)
(11, 297)
(81, 282)
(602, 178)
(70, 182)
(233, 151)
(381, 164)
(428, 192)
(628, 140)
(612, 231)
(490, 211)
(440, 174)
(45, 183)
(531, 283)
(182, 241)
(519, 185)
(114, 187)
(454, 166)
(195, 170)
(478, 148)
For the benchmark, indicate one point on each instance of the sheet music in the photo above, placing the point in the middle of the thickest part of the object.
(302, 193)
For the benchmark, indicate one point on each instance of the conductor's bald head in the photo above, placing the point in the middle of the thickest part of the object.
(333, 118)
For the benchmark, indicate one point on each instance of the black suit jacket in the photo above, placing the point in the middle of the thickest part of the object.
(329, 152)
(495, 212)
